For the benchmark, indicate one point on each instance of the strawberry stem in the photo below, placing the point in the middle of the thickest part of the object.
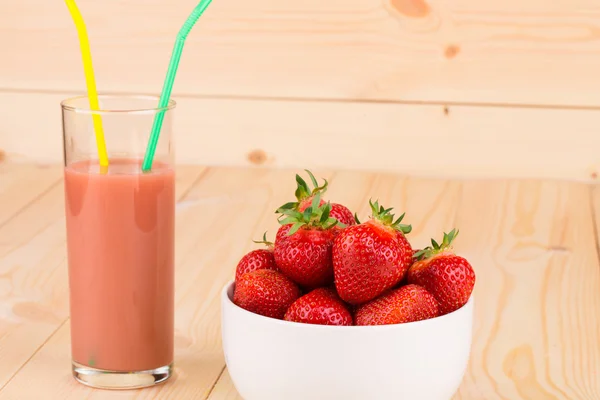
(264, 241)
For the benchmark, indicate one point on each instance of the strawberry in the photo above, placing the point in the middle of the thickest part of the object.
(282, 233)
(407, 304)
(257, 259)
(321, 307)
(304, 253)
(342, 214)
(371, 257)
(450, 278)
(265, 292)
(305, 196)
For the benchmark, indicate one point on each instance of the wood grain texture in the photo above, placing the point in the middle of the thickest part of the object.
(33, 271)
(31, 254)
(422, 140)
(224, 389)
(411, 50)
(21, 184)
(538, 305)
(595, 205)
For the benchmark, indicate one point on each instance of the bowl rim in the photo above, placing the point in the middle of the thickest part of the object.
(226, 300)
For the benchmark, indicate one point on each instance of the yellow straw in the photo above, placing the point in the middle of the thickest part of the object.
(88, 69)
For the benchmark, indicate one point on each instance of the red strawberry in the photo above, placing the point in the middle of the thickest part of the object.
(450, 278)
(304, 253)
(282, 232)
(305, 257)
(371, 257)
(257, 259)
(265, 292)
(321, 307)
(305, 198)
(407, 304)
(342, 214)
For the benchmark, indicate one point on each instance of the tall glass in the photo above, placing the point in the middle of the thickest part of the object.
(120, 241)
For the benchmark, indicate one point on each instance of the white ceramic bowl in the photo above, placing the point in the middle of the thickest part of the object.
(270, 359)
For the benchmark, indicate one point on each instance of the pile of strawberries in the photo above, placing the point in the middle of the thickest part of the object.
(326, 267)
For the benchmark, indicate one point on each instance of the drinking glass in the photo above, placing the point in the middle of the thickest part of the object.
(120, 225)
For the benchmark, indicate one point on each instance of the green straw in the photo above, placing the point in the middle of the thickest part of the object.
(168, 85)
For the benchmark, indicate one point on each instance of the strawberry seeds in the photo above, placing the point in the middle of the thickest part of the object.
(328, 268)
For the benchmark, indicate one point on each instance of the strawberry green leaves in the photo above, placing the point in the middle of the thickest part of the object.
(436, 248)
(383, 214)
(303, 191)
(314, 216)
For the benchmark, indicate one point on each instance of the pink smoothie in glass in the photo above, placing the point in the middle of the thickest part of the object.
(120, 232)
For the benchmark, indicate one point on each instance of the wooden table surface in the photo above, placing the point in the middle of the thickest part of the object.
(533, 245)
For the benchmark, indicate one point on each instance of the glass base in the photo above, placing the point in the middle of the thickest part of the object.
(106, 379)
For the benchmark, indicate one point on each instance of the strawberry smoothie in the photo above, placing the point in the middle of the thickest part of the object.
(120, 236)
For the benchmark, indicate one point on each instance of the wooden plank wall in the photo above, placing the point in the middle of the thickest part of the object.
(435, 87)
